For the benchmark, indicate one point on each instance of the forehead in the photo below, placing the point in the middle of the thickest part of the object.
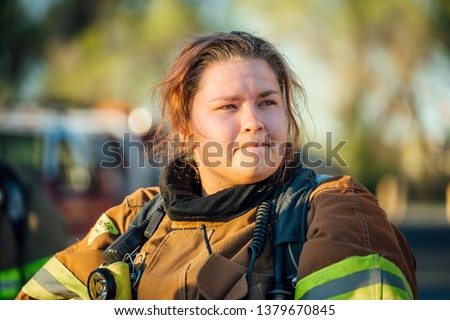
(236, 75)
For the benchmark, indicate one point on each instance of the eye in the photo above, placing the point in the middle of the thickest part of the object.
(228, 107)
(266, 103)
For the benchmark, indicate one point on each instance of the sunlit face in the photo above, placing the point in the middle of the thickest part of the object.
(239, 123)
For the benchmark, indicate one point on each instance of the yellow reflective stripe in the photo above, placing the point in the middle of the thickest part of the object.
(332, 272)
(11, 282)
(387, 292)
(35, 290)
(9, 274)
(8, 293)
(364, 293)
(396, 280)
(375, 276)
(55, 281)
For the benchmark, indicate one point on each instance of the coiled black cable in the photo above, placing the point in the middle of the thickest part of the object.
(259, 236)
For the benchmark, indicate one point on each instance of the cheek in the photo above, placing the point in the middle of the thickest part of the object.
(285, 126)
(213, 141)
(218, 130)
(279, 127)
(201, 124)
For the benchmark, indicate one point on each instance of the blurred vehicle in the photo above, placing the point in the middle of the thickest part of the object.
(31, 228)
(65, 149)
(61, 169)
(431, 247)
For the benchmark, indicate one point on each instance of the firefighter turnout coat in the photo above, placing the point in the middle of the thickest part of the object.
(351, 251)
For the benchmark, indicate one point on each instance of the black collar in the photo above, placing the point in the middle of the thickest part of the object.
(181, 190)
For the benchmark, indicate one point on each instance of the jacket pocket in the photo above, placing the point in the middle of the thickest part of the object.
(222, 279)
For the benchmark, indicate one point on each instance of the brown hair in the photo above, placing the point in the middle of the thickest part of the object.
(177, 90)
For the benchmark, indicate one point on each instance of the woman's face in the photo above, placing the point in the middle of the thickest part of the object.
(239, 123)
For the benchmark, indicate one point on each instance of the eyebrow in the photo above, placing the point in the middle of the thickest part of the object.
(263, 94)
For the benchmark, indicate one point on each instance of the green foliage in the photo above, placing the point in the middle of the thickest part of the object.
(364, 56)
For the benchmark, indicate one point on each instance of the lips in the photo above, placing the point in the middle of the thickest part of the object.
(250, 144)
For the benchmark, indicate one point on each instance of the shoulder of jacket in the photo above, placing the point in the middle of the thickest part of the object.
(141, 196)
(342, 184)
(121, 215)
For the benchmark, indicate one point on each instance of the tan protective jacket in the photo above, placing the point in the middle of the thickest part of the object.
(347, 232)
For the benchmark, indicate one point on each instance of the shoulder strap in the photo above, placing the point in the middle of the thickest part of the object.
(148, 210)
(142, 227)
(291, 208)
(294, 248)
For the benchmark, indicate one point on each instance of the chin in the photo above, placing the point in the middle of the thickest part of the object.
(254, 175)
(254, 169)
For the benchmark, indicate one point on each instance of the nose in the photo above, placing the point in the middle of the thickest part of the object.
(251, 121)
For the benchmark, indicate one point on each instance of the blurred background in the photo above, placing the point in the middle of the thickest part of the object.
(75, 77)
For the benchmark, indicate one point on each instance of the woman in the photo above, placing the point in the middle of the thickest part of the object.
(236, 215)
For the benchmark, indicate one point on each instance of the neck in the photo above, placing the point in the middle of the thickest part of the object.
(210, 185)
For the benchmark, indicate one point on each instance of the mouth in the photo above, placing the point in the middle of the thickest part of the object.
(251, 144)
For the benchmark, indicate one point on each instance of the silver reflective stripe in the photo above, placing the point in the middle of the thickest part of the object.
(353, 282)
(52, 285)
(8, 284)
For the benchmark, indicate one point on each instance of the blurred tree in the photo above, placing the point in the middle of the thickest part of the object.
(27, 28)
(121, 53)
(441, 20)
(391, 44)
(368, 55)
(90, 50)
(375, 52)
(380, 113)
(21, 43)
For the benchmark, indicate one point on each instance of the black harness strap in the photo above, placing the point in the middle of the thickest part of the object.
(141, 228)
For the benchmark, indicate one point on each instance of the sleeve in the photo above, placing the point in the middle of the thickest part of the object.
(352, 250)
(65, 275)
